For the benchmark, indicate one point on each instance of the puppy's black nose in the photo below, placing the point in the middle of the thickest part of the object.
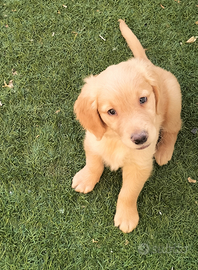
(139, 138)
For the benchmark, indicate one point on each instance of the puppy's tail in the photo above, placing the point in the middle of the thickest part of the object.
(133, 42)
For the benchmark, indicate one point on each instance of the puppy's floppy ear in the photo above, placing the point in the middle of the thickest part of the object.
(156, 90)
(153, 79)
(86, 110)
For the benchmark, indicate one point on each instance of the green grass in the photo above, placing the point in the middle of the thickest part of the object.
(44, 224)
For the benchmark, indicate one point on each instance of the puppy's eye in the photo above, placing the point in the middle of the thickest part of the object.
(111, 112)
(143, 100)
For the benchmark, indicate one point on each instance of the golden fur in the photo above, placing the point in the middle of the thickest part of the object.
(123, 109)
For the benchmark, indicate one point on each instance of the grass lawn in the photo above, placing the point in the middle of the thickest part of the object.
(47, 49)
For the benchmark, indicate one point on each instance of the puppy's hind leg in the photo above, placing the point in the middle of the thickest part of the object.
(172, 119)
(165, 147)
(85, 180)
(170, 130)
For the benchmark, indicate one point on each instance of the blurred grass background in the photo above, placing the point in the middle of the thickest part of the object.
(46, 50)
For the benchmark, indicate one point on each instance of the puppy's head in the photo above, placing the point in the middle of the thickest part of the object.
(122, 100)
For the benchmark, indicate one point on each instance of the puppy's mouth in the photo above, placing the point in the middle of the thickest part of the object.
(143, 147)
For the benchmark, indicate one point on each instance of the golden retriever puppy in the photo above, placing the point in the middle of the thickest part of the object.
(123, 110)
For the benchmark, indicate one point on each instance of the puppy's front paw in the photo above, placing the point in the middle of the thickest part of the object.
(126, 219)
(84, 181)
(164, 154)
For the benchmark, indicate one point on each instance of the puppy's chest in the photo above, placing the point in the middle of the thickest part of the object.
(114, 153)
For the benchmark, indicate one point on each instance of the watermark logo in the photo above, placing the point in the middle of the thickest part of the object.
(145, 249)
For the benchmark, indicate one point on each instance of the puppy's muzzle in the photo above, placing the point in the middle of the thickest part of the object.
(139, 138)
